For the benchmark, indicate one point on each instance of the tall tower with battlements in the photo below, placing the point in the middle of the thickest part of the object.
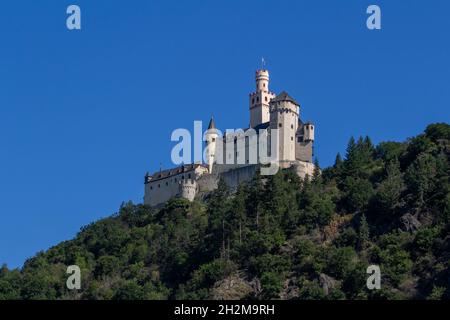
(284, 116)
(259, 100)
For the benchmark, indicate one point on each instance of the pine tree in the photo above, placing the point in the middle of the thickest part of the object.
(363, 232)
(389, 192)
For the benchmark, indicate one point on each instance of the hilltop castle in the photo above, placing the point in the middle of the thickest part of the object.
(267, 111)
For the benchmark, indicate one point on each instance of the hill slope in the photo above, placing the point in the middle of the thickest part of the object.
(280, 237)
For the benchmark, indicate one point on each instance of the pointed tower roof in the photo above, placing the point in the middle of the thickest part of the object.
(284, 96)
(212, 124)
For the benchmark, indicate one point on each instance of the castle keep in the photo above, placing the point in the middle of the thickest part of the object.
(235, 165)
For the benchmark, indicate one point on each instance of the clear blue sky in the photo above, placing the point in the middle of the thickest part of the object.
(84, 114)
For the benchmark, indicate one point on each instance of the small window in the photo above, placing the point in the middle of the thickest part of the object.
(280, 125)
(264, 85)
(213, 139)
(299, 139)
(257, 99)
(159, 186)
(292, 138)
(292, 126)
(167, 183)
(151, 188)
(253, 100)
(189, 175)
(265, 98)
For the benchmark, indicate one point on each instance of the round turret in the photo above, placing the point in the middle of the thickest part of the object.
(188, 189)
(211, 136)
(262, 80)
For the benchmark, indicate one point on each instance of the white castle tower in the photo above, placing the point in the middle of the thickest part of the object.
(284, 115)
(259, 100)
(211, 136)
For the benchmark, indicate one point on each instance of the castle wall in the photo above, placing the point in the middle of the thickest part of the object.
(303, 169)
(232, 175)
(161, 190)
(235, 175)
(177, 185)
(304, 151)
(233, 178)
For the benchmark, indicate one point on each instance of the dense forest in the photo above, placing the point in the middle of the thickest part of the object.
(276, 237)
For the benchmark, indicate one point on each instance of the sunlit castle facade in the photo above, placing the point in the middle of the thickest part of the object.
(232, 157)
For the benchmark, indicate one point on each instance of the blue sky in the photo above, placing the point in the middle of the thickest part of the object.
(84, 114)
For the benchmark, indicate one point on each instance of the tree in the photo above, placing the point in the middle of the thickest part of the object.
(390, 190)
(358, 193)
(437, 131)
(129, 290)
(218, 207)
(271, 284)
(359, 158)
(363, 234)
(315, 209)
(420, 178)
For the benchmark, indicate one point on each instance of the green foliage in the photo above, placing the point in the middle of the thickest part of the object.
(388, 193)
(358, 193)
(278, 236)
(364, 232)
(271, 283)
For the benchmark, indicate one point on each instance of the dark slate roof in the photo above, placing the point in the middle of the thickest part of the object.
(284, 96)
(262, 126)
(171, 172)
(212, 124)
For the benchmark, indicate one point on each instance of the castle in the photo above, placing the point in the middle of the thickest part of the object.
(268, 111)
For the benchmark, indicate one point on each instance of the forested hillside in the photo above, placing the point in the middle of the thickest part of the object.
(274, 238)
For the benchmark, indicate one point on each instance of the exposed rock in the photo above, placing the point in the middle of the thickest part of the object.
(290, 290)
(409, 223)
(256, 286)
(328, 283)
(233, 287)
